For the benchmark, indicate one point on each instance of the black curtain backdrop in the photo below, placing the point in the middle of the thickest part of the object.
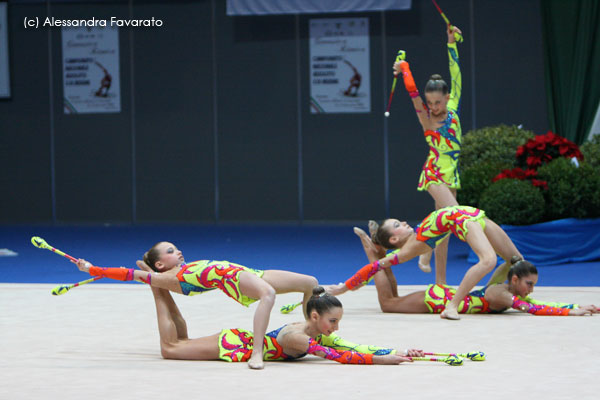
(571, 31)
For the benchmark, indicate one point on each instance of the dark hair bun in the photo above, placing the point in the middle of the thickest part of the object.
(515, 259)
(435, 77)
(318, 290)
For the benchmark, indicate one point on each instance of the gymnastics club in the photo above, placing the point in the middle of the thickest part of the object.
(450, 360)
(457, 35)
(62, 289)
(401, 55)
(288, 308)
(473, 355)
(41, 243)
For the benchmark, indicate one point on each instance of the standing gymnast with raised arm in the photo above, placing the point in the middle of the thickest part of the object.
(509, 287)
(441, 126)
(244, 285)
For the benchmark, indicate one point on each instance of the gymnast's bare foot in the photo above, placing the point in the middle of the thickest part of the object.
(373, 226)
(450, 313)
(256, 361)
(425, 262)
(336, 290)
(366, 241)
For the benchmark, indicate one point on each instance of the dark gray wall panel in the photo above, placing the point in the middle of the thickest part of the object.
(257, 119)
(173, 97)
(510, 65)
(25, 168)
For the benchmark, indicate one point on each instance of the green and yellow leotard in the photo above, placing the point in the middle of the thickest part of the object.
(436, 297)
(441, 166)
(204, 275)
(440, 223)
(235, 345)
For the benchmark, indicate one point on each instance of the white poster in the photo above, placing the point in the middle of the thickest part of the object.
(91, 70)
(4, 66)
(339, 66)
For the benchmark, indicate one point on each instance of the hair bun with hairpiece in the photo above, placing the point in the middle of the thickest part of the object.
(515, 259)
(321, 301)
(318, 291)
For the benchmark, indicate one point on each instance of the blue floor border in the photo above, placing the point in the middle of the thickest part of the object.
(329, 252)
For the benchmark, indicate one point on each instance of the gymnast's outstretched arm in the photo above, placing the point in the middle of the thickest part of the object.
(161, 280)
(337, 343)
(302, 343)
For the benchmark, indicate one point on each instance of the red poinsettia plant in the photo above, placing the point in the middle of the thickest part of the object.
(536, 152)
(545, 148)
(522, 174)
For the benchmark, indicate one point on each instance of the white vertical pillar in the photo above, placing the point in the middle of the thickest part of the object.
(596, 125)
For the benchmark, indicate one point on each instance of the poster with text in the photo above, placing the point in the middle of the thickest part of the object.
(339, 65)
(91, 70)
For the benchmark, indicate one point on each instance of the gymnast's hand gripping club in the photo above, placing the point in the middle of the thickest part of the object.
(473, 355)
(457, 36)
(61, 289)
(399, 57)
(450, 360)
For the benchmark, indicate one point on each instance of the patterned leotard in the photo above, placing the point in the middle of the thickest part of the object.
(204, 275)
(441, 166)
(440, 223)
(436, 297)
(236, 345)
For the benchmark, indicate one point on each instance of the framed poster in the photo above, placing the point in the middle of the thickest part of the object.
(91, 73)
(339, 65)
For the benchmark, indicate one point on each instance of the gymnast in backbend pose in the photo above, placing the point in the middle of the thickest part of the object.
(244, 285)
(509, 287)
(441, 126)
(469, 224)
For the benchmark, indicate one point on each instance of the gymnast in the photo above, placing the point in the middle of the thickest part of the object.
(441, 125)
(495, 297)
(168, 270)
(314, 336)
(469, 224)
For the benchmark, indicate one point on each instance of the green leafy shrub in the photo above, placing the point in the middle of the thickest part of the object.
(589, 189)
(591, 152)
(513, 202)
(563, 194)
(573, 192)
(476, 179)
(494, 144)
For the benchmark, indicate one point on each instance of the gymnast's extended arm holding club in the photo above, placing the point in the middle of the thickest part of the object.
(159, 280)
